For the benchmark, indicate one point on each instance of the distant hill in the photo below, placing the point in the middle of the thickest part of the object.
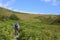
(42, 18)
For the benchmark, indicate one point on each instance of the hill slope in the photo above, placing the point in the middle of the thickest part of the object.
(32, 26)
(31, 17)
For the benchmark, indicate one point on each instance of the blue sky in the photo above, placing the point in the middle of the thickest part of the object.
(33, 6)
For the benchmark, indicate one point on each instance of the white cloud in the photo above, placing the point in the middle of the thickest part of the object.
(53, 2)
(46, 0)
(1, 3)
(22, 11)
(7, 4)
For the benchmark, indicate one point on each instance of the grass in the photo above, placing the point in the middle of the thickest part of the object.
(32, 26)
(42, 31)
(30, 31)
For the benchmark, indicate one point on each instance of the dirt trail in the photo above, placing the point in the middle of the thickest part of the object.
(16, 37)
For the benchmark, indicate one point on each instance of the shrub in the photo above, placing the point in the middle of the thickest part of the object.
(3, 17)
(13, 17)
(57, 21)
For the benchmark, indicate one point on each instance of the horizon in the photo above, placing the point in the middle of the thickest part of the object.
(33, 6)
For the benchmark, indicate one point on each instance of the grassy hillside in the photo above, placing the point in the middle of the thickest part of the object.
(30, 17)
(32, 26)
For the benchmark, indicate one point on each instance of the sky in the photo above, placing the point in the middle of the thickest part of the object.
(32, 6)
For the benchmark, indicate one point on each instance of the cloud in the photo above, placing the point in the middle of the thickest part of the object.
(46, 0)
(22, 11)
(1, 3)
(53, 2)
(7, 4)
